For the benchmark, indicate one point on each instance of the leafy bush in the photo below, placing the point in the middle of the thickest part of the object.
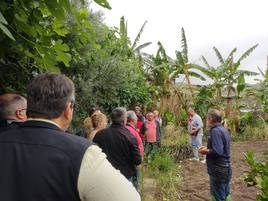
(176, 142)
(258, 175)
(167, 173)
(162, 162)
(259, 131)
(169, 117)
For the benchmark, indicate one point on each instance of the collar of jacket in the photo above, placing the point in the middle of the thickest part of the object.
(216, 125)
(40, 124)
(128, 124)
(117, 125)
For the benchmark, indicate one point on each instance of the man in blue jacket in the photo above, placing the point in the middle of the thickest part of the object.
(218, 156)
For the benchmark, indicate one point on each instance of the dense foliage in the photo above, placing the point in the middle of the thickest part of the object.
(67, 36)
(258, 175)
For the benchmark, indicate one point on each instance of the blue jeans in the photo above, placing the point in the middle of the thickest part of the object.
(135, 179)
(196, 142)
(151, 149)
(219, 190)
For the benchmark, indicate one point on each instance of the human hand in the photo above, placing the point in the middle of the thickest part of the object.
(203, 150)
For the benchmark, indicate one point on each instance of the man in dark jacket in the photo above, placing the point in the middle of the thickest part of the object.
(40, 161)
(119, 144)
(218, 156)
(12, 111)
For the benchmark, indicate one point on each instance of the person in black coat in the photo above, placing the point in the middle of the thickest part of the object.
(12, 111)
(41, 161)
(119, 144)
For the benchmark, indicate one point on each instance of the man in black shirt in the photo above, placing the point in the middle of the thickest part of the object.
(119, 144)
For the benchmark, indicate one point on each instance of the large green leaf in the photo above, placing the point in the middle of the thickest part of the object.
(241, 84)
(6, 31)
(247, 53)
(137, 39)
(207, 72)
(196, 75)
(232, 53)
(62, 52)
(2, 19)
(218, 54)
(143, 46)
(184, 45)
(205, 61)
(103, 3)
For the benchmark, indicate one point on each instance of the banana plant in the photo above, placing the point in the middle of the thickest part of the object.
(228, 75)
(181, 65)
(262, 92)
(135, 48)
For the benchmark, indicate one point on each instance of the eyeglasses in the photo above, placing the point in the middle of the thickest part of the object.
(19, 110)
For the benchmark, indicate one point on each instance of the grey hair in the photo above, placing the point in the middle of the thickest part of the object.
(10, 103)
(214, 115)
(49, 94)
(119, 115)
(131, 115)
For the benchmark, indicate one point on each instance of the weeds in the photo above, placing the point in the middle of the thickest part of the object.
(167, 174)
(257, 132)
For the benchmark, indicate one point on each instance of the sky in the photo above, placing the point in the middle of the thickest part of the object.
(225, 24)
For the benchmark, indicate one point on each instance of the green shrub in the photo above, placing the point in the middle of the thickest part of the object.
(167, 174)
(162, 162)
(259, 131)
(258, 175)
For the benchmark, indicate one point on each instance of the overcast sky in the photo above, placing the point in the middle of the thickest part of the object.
(225, 24)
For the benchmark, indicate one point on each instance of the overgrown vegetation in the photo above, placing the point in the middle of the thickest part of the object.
(258, 175)
(167, 174)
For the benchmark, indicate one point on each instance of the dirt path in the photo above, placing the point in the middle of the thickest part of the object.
(196, 187)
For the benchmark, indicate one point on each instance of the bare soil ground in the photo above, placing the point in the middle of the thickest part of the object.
(195, 186)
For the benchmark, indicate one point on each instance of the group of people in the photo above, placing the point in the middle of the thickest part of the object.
(128, 138)
(42, 161)
(217, 151)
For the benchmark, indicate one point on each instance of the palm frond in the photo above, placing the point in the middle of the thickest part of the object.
(137, 39)
(246, 72)
(161, 51)
(247, 53)
(205, 61)
(142, 46)
(184, 45)
(262, 73)
(122, 26)
(218, 54)
(179, 58)
(196, 75)
(232, 53)
(206, 71)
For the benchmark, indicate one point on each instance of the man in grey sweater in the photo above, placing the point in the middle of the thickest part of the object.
(195, 128)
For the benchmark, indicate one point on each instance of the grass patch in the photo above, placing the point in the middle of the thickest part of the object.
(167, 175)
(258, 132)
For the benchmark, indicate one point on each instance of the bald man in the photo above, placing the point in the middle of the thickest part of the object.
(12, 111)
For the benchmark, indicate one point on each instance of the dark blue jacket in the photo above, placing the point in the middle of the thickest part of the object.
(219, 146)
(5, 125)
(40, 162)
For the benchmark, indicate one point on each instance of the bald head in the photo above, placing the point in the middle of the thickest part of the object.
(13, 107)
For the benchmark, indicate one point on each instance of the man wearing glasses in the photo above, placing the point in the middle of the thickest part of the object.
(12, 111)
(43, 162)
